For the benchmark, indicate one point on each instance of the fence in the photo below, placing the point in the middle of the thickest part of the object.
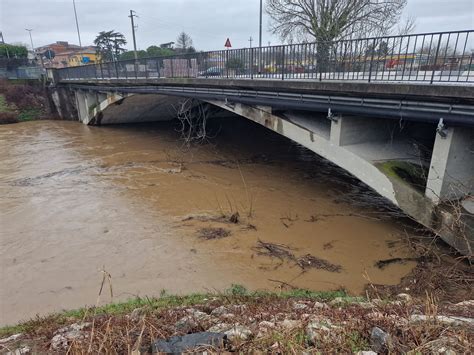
(428, 57)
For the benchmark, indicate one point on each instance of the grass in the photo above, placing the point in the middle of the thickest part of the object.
(235, 294)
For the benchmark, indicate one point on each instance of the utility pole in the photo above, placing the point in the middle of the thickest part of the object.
(261, 17)
(132, 15)
(31, 39)
(78, 32)
(250, 40)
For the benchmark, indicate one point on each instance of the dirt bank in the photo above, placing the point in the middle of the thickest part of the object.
(22, 101)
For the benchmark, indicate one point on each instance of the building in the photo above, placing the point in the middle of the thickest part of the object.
(66, 54)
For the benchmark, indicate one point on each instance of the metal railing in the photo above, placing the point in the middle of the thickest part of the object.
(427, 58)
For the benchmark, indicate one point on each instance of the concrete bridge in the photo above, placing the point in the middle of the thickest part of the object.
(410, 141)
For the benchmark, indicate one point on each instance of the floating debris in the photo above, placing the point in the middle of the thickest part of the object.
(211, 233)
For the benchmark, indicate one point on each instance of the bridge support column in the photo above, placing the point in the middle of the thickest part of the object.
(354, 130)
(451, 174)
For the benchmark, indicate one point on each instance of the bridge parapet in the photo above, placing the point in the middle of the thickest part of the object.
(427, 58)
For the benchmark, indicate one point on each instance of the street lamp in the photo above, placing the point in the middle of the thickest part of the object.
(260, 29)
(78, 32)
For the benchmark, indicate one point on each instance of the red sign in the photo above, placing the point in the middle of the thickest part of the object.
(227, 43)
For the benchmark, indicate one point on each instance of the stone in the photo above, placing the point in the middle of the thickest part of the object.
(316, 331)
(444, 345)
(404, 297)
(186, 324)
(136, 314)
(219, 311)
(10, 338)
(238, 332)
(320, 305)
(290, 324)
(198, 315)
(20, 351)
(379, 340)
(219, 328)
(299, 306)
(366, 353)
(456, 321)
(185, 343)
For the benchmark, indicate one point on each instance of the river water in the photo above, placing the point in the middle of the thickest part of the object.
(76, 201)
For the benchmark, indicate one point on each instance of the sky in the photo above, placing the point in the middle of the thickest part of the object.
(208, 22)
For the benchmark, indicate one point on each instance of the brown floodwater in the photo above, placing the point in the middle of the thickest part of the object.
(133, 201)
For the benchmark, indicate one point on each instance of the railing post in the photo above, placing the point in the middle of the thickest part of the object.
(251, 63)
(116, 69)
(283, 64)
(372, 61)
(158, 68)
(436, 58)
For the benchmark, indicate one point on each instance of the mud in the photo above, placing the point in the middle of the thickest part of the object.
(77, 200)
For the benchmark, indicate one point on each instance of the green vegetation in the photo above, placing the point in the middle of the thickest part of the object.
(357, 342)
(12, 51)
(235, 294)
(410, 173)
(152, 51)
(4, 107)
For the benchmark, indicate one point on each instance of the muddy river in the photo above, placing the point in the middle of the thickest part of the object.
(133, 201)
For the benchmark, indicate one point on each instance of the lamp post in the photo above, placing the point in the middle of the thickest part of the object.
(31, 39)
(78, 32)
(260, 28)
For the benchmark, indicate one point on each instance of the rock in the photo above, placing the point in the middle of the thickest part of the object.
(316, 331)
(404, 297)
(290, 324)
(299, 306)
(136, 314)
(264, 327)
(69, 333)
(219, 328)
(239, 308)
(375, 316)
(180, 344)
(366, 305)
(219, 311)
(457, 321)
(366, 353)
(320, 305)
(186, 324)
(20, 351)
(238, 332)
(10, 338)
(198, 315)
(74, 327)
(228, 316)
(379, 340)
(444, 345)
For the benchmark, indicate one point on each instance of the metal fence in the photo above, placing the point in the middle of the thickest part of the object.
(428, 57)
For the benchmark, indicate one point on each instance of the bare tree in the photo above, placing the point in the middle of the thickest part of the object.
(184, 43)
(329, 20)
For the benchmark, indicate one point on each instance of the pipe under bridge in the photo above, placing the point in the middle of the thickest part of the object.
(412, 142)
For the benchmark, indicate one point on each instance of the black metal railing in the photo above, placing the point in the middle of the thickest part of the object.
(427, 57)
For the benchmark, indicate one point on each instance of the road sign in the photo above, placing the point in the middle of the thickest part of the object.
(227, 44)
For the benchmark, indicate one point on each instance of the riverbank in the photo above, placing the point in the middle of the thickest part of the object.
(22, 101)
(285, 322)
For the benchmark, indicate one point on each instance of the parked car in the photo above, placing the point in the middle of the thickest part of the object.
(212, 71)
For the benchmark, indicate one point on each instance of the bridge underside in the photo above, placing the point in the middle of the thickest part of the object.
(425, 170)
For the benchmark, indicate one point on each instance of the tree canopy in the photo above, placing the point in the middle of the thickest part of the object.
(329, 20)
(110, 45)
(13, 51)
(184, 43)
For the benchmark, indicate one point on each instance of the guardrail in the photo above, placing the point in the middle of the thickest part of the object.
(427, 57)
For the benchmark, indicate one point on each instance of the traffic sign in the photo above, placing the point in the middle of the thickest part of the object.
(227, 44)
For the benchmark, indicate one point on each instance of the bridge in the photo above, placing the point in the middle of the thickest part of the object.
(396, 112)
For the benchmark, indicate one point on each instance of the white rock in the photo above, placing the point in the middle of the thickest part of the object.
(220, 328)
(366, 353)
(316, 331)
(320, 305)
(464, 304)
(299, 305)
(10, 338)
(290, 324)
(219, 311)
(21, 351)
(266, 324)
(238, 332)
(404, 297)
(442, 319)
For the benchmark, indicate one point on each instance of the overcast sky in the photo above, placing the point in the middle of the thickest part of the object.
(209, 22)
